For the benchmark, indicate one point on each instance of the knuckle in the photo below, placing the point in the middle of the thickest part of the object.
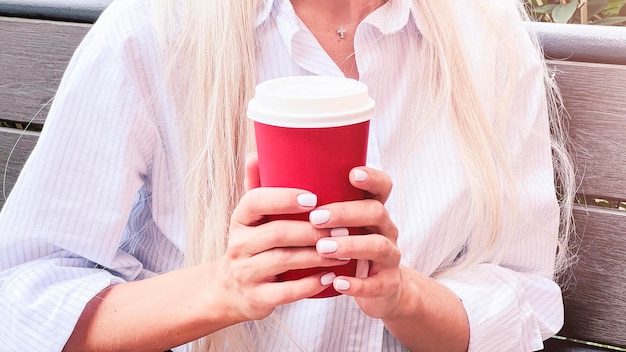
(395, 256)
(386, 250)
(393, 233)
(381, 245)
(341, 214)
(280, 255)
(259, 307)
(283, 297)
(235, 247)
(379, 212)
(239, 271)
(377, 288)
(280, 297)
(247, 198)
(383, 288)
(388, 288)
(272, 231)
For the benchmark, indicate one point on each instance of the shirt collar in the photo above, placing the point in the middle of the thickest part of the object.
(394, 15)
(263, 10)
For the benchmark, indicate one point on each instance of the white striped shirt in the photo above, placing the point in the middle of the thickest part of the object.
(95, 204)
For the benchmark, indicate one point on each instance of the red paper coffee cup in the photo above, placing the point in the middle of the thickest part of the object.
(310, 132)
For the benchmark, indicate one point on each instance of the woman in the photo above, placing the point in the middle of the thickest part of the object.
(150, 234)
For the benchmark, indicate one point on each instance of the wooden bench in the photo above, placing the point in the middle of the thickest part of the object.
(593, 84)
(37, 39)
(35, 52)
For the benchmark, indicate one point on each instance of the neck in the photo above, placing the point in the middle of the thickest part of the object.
(333, 23)
(338, 13)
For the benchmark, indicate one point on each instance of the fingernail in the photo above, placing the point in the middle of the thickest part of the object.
(326, 246)
(339, 232)
(327, 278)
(319, 216)
(360, 175)
(341, 285)
(249, 156)
(307, 199)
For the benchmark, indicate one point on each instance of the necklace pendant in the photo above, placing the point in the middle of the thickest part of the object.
(341, 31)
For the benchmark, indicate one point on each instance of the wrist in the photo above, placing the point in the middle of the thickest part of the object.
(428, 317)
(410, 303)
(218, 308)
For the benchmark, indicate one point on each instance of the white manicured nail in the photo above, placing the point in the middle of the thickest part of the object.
(249, 156)
(326, 246)
(319, 216)
(360, 175)
(339, 232)
(327, 278)
(307, 199)
(341, 285)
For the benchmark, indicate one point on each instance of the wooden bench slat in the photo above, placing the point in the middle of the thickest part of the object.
(15, 147)
(33, 57)
(557, 345)
(66, 10)
(581, 42)
(595, 307)
(594, 97)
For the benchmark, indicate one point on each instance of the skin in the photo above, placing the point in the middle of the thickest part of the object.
(324, 17)
(242, 286)
(421, 313)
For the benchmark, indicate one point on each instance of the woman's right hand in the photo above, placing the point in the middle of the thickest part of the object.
(258, 250)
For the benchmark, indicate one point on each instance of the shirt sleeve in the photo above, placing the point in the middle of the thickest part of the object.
(512, 301)
(63, 221)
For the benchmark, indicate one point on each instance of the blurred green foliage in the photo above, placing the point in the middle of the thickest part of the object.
(601, 12)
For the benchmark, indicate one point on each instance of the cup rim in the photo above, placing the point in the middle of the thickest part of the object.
(311, 102)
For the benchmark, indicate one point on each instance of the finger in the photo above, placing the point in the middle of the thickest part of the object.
(252, 178)
(263, 201)
(284, 292)
(375, 182)
(369, 213)
(376, 248)
(260, 300)
(384, 284)
(250, 241)
(279, 260)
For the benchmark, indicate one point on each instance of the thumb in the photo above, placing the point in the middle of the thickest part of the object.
(252, 178)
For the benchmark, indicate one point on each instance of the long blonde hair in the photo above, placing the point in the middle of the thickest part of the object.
(480, 106)
(211, 74)
(209, 48)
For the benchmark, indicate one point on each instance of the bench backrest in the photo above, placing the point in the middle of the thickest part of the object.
(33, 58)
(593, 82)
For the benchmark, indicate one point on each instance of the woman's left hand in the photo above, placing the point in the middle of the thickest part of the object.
(377, 294)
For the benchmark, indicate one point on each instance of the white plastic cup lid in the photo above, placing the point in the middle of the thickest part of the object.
(311, 102)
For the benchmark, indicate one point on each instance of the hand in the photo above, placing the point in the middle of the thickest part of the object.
(258, 250)
(377, 294)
